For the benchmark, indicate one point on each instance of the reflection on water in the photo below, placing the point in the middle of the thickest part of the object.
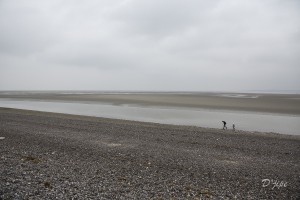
(249, 121)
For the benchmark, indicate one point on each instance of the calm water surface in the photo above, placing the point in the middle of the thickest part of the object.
(249, 121)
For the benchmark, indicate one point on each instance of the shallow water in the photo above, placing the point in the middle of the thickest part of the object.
(249, 121)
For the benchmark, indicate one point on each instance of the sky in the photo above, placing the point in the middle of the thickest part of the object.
(150, 45)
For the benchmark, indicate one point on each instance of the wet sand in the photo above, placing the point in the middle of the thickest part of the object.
(270, 103)
(48, 156)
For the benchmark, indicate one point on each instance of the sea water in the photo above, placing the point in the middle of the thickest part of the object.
(249, 121)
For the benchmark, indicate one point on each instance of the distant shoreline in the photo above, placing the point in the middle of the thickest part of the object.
(269, 103)
(149, 92)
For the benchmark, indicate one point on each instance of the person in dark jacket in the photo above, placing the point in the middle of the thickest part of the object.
(224, 125)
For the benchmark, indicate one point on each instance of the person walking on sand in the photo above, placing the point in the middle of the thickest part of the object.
(233, 127)
(224, 125)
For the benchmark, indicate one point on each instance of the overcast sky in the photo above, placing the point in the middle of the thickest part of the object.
(178, 45)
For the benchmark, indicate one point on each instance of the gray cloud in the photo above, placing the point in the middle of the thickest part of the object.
(150, 45)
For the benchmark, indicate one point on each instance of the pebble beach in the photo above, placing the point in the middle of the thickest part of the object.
(58, 156)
